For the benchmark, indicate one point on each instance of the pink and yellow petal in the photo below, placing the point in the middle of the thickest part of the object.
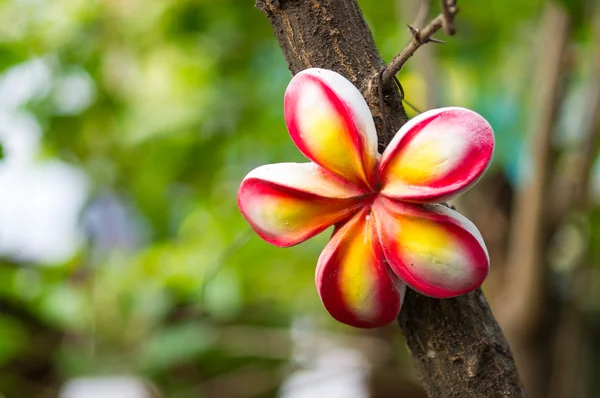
(435, 250)
(330, 122)
(436, 155)
(287, 203)
(355, 285)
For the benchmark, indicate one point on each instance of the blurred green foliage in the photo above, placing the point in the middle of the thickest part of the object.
(164, 106)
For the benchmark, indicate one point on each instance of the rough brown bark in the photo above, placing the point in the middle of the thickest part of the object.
(332, 34)
(457, 346)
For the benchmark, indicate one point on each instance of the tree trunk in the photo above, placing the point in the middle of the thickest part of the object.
(456, 344)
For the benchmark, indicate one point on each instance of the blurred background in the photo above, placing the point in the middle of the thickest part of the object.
(126, 269)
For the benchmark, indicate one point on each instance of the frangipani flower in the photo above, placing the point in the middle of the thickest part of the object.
(388, 231)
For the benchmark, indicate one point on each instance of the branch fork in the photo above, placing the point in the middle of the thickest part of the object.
(423, 36)
(416, 34)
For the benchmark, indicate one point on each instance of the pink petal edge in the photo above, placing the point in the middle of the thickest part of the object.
(355, 285)
(433, 249)
(330, 122)
(288, 203)
(436, 155)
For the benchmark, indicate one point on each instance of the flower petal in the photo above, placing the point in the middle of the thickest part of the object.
(287, 203)
(434, 249)
(330, 122)
(355, 285)
(436, 155)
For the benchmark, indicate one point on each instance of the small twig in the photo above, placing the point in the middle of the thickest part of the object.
(420, 37)
(414, 108)
(402, 97)
(448, 23)
(400, 88)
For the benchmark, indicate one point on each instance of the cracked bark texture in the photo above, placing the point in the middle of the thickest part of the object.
(456, 344)
(332, 34)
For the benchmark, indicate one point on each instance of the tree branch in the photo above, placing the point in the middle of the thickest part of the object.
(422, 36)
(424, 61)
(345, 45)
(478, 363)
(448, 22)
(524, 305)
(457, 347)
(525, 258)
